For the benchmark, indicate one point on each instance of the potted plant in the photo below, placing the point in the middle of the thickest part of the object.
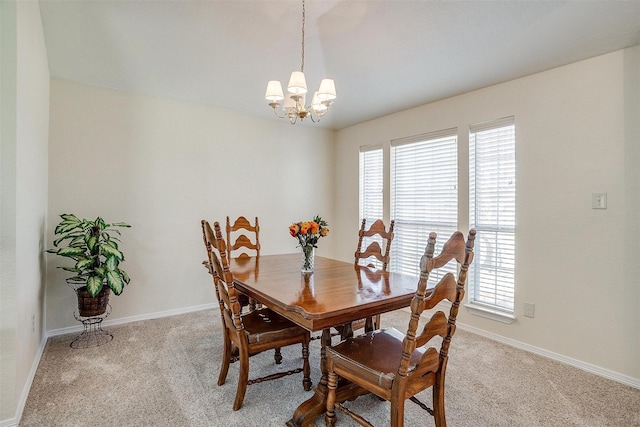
(93, 245)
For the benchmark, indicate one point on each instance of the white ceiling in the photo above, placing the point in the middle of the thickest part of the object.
(385, 56)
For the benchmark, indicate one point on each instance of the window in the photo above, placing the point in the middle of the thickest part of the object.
(492, 187)
(371, 193)
(371, 183)
(424, 195)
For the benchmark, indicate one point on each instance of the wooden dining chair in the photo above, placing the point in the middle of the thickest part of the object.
(242, 246)
(375, 237)
(243, 300)
(396, 366)
(239, 232)
(253, 332)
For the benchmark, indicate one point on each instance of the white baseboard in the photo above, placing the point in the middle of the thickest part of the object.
(11, 422)
(588, 367)
(123, 320)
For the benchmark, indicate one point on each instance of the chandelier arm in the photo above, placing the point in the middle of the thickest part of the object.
(315, 116)
(275, 106)
(322, 113)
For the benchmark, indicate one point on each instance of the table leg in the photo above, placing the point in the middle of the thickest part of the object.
(368, 325)
(310, 409)
(346, 331)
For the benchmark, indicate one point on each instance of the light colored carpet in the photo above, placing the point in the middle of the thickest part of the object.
(163, 372)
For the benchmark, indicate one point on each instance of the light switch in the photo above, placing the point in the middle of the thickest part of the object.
(599, 200)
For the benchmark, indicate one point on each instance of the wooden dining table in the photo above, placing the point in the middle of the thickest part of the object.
(334, 295)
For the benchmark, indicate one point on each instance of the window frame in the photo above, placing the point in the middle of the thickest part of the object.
(371, 198)
(492, 211)
(443, 145)
(366, 152)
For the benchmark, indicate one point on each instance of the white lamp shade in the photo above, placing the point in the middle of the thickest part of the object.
(327, 90)
(274, 91)
(297, 83)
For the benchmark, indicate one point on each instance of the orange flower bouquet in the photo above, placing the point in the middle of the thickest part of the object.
(308, 233)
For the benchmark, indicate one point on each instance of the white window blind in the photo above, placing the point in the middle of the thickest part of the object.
(371, 183)
(371, 192)
(492, 202)
(424, 195)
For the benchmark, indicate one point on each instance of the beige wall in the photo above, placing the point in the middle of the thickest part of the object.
(577, 133)
(25, 127)
(630, 288)
(8, 321)
(162, 166)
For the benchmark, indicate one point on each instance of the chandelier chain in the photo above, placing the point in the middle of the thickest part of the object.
(303, 16)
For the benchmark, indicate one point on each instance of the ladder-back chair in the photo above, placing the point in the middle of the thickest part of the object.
(397, 366)
(243, 300)
(241, 241)
(253, 332)
(242, 246)
(377, 237)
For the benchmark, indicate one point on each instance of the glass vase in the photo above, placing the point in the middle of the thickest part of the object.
(308, 259)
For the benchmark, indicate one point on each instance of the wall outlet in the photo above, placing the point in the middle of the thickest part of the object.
(529, 309)
(33, 323)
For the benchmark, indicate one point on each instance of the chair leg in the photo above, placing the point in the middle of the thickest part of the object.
(330, 415)
(226, 360)
(306, 368)
(277, 356)
(438, 404)
(397, 413)
(242, 379)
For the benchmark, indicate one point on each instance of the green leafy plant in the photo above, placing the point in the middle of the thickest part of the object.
(94, 248)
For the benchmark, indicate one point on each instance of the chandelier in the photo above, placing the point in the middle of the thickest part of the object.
(294, 104)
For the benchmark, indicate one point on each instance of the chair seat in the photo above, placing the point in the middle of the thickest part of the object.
(374, 356)
(265, 325)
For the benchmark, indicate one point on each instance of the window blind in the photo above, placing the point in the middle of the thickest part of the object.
(492, 202)
(371, 192)
(371, 183)
(424, 196)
